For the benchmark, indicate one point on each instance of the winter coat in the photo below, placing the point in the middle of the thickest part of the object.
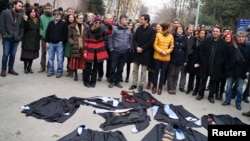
(31, 37)
(94, 45)
(73, 39)
(144, 38)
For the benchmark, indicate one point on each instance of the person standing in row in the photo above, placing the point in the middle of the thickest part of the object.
(56, 36)
(31, 40)
(237, 67)
(44, 21)
(11, 29)
(213, 52)
(178, 58)
(163, 47)
(70, 19)
(76, 35)
(143, 44)
(119, 43)
(94, 52)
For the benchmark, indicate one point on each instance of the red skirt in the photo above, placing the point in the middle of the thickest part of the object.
(77, 63)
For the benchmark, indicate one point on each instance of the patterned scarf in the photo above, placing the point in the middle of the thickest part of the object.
(80, 35)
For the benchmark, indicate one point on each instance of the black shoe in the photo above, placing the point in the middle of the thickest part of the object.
(188, 91)
(126, 80)
(119, 85)
(225, 103)
(194, 93)
(92, 84)
(12, 72)
(99, 79)
(140, 89)
(30, 70)
(199, 97)
(132, 87)
(211, 100)
(246, 114)
(111, 85)
(26, 70)
(246, 100)
(86, 84)
(238, 107)
(3, 73)
(182, 89)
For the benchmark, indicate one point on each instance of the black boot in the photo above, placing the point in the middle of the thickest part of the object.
(29, 66)
(26, 67)
(76, 75)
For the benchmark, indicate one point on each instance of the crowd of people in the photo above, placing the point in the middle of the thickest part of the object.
(162, 53)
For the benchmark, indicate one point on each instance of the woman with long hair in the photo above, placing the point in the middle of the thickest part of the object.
(31, 39)
(70, 19)
(76, 35)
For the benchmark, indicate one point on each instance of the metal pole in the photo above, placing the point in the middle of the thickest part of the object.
(197, 14)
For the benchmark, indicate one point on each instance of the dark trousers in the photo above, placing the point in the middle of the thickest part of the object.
(159, 67)
(220, 87)
(193, 80)
(101, 67)
(211, 87)
(90, 72)
(117, 61)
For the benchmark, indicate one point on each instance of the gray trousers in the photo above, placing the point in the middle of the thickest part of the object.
(173, 76)
(182, 82)
(43, 54)
(136, 72)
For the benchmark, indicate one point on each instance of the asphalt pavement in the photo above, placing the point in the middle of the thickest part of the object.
(16, 91)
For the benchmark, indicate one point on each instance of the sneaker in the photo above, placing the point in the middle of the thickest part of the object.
(111, 85)
(119, 85)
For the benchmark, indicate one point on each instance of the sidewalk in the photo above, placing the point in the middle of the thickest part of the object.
(16, 91)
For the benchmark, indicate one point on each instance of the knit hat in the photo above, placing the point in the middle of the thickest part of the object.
(97, 19)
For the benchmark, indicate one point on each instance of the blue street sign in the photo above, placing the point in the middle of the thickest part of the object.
(243, 24)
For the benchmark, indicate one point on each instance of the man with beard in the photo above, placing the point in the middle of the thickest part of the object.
(44, 21)
(11, 29)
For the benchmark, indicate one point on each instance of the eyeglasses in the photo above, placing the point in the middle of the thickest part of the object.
(97, 22)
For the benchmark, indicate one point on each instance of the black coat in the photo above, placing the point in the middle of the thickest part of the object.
(236, 66)
(31, 36)
(194, 58)
(215, 71)
(144, 38)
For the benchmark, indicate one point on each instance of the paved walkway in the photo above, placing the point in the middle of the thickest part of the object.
(16, 91)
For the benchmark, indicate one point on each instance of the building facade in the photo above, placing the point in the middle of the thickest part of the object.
(78, 5)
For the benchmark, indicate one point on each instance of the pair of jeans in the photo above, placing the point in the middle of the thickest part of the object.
(9, 53)
(239, 89)
(159, 66)
(117, 62)
(55, 49)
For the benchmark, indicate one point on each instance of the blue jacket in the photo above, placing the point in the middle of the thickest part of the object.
(120, 40)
